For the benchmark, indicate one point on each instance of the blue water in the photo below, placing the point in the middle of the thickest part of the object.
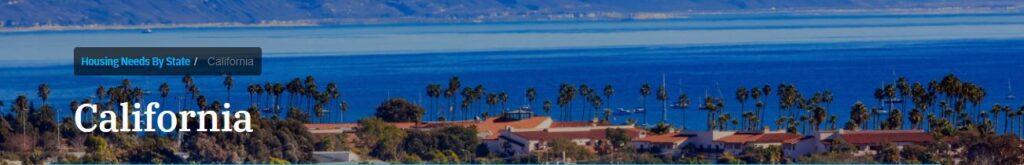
(849, 56)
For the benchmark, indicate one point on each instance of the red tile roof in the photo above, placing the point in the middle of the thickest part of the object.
(880, 137)
(562, 124)
(743, 138)
(331, 126)
(546, 135)
(666, 138)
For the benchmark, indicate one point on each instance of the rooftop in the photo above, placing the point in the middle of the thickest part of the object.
(743, 138)
(666, 138)
(892, 136)
(546, 135)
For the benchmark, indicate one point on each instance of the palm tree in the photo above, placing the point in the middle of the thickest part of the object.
(334, 93)
(645, 90)
(890, 93)
(269, 89)
(859, 114)
(595, 101)
(278, 90)
(492, 99)
(747, 118)
(251, 89)
(310, 90)
(819, 115)
(547, 107)
(467, 99)
(827, 98)
(478, 93)
(344, 108)
(608, 92)
(570, 95)
(663, 97)
(904, 90)
(187, 81)
(165, 90)
(228, 83)
(710, 106)
(684, 102)
(832, 122)
(1006, 112)
(201, 102)
(503, 98)
(450, 93)
(741, 96)
(755, 93)
(293, 87)
(434, 91)
(100, 92)
(584, 91)
(44, 92)
(194, 89)
(531, 95)
(879, 95)
(916, 117)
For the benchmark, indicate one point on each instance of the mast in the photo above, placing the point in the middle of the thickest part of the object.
(664, 104)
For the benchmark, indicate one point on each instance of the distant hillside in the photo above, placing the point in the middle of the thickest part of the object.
(35, 13)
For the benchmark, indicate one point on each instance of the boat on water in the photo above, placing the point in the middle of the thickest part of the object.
(893, 101)
(630, 111)
(147, 31)
(1009, 88)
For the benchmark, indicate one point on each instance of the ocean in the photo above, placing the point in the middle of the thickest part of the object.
(850, 56)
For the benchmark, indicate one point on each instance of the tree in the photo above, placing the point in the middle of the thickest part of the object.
(531, 95)
(334, 93)
(434, 91)
(595, 101)
(278, 90)
(762, 155)
(684, 102)
(165, 90)
(888, 154)
(503, 98)
(858, 114)
(381, 138)
(98, 152)
(453, 87)
(608, 92)
(399, 110)
(44, 92)
(661, 128)
(741, 96)
(617, 137)
(585, 92)
(663, 97)
(916, 117)
(547, 107)
(344, 108)
(570, 150)
(645, 90)
(228, 83)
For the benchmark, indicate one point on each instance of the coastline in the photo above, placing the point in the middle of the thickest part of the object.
(585, 17)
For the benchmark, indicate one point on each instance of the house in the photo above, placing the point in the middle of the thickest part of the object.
(871, 141)
(526, 141)
(666, 144)
(793, 145)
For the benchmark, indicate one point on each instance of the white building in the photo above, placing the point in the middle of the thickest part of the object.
(871, 141)
(525, 141)
(793, 145)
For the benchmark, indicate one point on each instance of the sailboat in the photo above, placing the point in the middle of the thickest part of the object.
(677, 104)
(1009, 87)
